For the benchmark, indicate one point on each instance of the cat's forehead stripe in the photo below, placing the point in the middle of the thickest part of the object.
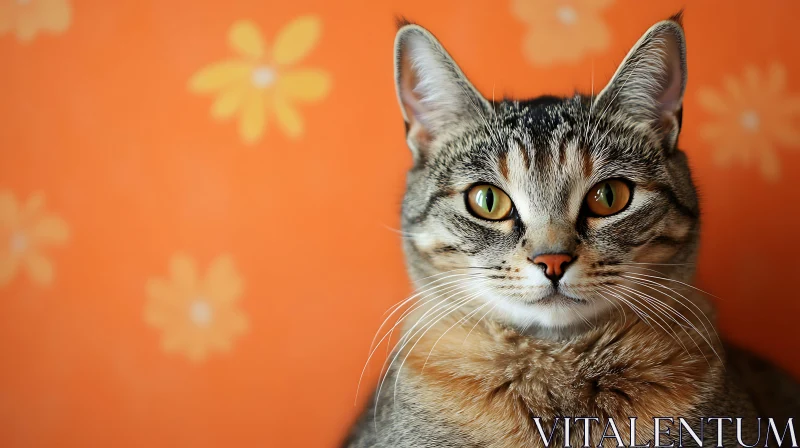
(503, 164)
(522, 149)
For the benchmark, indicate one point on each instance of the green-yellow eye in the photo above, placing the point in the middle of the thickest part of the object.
(489, 202)
(608, 197)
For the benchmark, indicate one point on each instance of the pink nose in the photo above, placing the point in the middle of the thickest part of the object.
(553, 263)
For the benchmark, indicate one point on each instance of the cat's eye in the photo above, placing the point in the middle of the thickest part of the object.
(608, 197)
(489, 202)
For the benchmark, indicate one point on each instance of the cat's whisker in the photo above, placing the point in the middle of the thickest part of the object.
(617, 307)
(583, 318)
(668, 311)
(642, 268)
(403, 340)
(576, 311)
(650, 284)
(663, 315)
(658, 304)
(657, 264)
(426, 289)
(642, 315)
(430, 284)
(429, 324)
(478, 322)
(622, 311)
(606, 289)
(638, 299)
(464, 318)
(442, 303)
(410, 336)
(416, 306)
(438, 292)
(404, 233)
(442, 316)
(459, 284)
(496, 304)
(675, 281)
(630, 306)
(689, 324)
(470, 274)
(482, 317)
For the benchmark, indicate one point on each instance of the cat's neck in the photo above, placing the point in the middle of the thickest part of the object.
(624, 366)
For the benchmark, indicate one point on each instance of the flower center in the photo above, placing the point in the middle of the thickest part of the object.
(263, 76)
(200, 312)
(567, 15)
(750, 120)
(18, 242)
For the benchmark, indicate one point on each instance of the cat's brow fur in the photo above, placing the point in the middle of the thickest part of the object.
(478, 361)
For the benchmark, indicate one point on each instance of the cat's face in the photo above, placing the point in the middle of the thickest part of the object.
(552, 211)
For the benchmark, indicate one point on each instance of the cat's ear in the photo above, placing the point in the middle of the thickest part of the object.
(649, 84)
(435, 96)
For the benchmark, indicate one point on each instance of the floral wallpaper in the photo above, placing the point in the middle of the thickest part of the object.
(26, 18)
(28, 230)
(199, 200)
(557, 21)
(263, 80)
(753, 114)
(196, 315)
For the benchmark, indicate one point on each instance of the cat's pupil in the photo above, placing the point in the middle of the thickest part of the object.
(608, 192)
(489, 199)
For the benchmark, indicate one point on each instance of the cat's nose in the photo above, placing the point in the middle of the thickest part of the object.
(554, 264)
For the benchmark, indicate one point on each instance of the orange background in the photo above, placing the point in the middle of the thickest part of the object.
(98, 117)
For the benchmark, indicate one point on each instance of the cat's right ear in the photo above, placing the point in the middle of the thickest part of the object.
(435, 96)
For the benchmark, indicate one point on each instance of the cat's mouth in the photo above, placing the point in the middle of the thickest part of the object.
(557, 298)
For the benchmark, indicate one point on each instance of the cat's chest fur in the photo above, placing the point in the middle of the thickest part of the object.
(493, 382)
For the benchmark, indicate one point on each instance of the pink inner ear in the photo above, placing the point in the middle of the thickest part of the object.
(408, 81)
(670, 98)
(411, 102)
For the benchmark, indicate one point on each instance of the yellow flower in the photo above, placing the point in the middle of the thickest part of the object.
(27, 17)
(24, 233)
(259, 81)
(196, 315)
(751, 116)
(561, 30)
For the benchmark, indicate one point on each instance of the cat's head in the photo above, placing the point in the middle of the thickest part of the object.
(549, 211)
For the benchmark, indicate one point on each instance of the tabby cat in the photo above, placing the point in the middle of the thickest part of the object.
(553, 242)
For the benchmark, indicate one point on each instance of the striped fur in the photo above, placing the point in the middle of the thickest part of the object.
(490, 340)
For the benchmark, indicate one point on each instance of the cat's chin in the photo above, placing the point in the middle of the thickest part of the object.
(555, 311)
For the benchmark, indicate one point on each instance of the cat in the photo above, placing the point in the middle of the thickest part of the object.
(553, 243)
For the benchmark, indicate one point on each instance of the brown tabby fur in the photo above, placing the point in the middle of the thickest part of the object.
(494, 384)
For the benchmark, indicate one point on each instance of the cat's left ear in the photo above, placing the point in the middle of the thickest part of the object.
(649, 84)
